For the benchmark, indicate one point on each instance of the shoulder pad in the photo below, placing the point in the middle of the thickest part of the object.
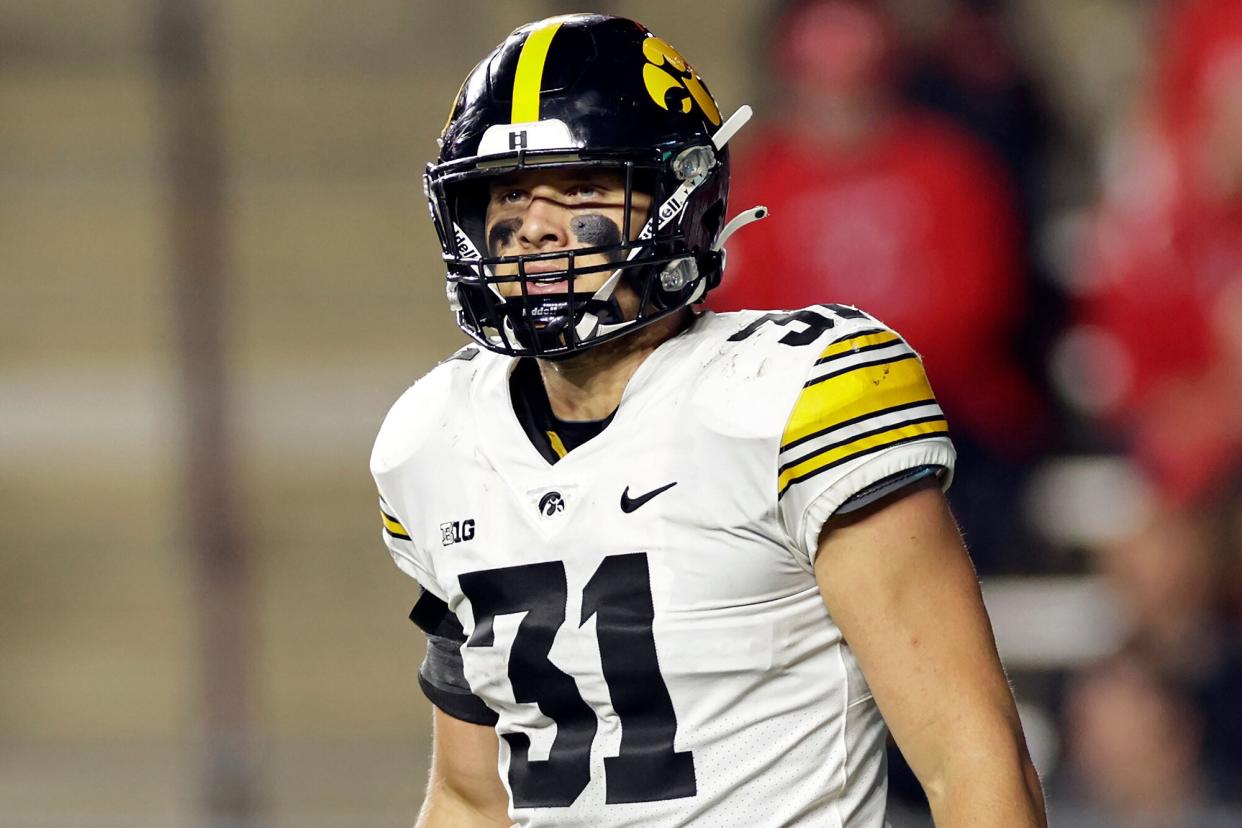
(753, 364)
(425, 411)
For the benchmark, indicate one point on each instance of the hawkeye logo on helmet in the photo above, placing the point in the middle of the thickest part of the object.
(536, 135)
(667, 75)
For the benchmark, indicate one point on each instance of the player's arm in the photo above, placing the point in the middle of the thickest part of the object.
(464, 790)
(898, 582)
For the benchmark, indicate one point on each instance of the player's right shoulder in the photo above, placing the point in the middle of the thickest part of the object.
(430, 409)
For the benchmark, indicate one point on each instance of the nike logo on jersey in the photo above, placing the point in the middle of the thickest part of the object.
(629, 504)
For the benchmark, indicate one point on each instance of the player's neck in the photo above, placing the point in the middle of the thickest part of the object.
(589, 386)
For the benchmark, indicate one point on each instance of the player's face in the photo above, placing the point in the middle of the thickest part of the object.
(545, 211)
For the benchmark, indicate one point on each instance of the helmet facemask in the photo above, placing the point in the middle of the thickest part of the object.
(655, 260)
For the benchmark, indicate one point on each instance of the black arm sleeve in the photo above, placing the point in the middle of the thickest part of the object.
(441, 675)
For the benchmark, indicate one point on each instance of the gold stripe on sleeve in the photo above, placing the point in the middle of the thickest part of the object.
(835, 456)
(528, 79)
(856, 393)
(393, 526)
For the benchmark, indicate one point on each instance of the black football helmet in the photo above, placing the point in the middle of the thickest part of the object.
(583, 90)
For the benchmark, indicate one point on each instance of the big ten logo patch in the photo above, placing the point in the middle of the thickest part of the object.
(673, 83)
(456, 531)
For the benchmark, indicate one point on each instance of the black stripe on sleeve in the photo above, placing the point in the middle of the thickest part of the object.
(396, 535)
(879, 412)
(928, 436)
(872, 364)
(861, 348)
(845, 441)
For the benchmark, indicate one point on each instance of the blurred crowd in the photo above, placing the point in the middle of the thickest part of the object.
(908, 169)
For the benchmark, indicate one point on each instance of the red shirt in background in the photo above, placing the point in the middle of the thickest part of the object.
(1161, 273)
(919, 229)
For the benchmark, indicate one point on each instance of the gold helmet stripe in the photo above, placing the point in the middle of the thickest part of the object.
(529, 76)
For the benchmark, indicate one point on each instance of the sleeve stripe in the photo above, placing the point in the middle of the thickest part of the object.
(393, 526)
(864, 341)
(855, 394)
(832, 458)
(861, 427)
(903, 354)
(841, 424)
(857, 437)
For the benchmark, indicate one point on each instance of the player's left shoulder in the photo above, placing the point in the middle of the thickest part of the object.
(753, 364)
(768, 330)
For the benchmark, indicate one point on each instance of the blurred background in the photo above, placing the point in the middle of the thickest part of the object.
(216, 273)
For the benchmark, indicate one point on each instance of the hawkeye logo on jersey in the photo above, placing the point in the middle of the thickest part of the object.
(456, 531)
(551, 504)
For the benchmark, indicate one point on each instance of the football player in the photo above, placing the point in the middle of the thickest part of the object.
(678, 568)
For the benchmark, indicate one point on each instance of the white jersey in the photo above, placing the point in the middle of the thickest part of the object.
(643, 615)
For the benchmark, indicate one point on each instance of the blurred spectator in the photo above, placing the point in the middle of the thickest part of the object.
(1158, 345)
(1168, 575)
(965, 65)
(967, 68)
(1228, 533)
(1133, 742)
(901, 212)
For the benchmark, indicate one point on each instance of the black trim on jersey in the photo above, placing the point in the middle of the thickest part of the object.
(534, 412)
(845, 311)
(465, 354)
(852, 420)
(397, 535)
(845, 441)
(394, 534)
(872, 364)
(443, 662)
(432, 616)
(860, 349)
(886, 486)
(442, 676)
(863, 453)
